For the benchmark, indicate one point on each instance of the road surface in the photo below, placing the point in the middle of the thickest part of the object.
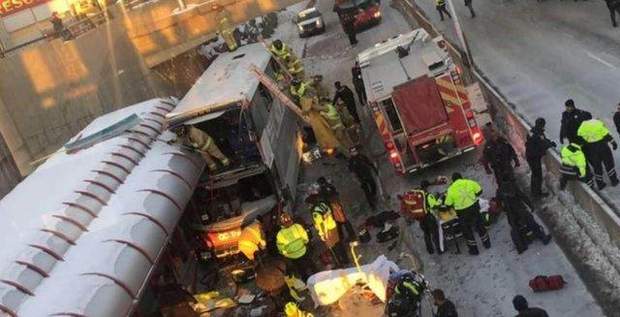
(541, 53)
(480, 286)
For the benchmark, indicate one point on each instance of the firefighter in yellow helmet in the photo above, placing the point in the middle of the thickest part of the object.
(293, 243)
(462, 195)
(325, 225)
(202, 142)
(282, 51)
(292, 310)
(422, 206)
(252, 240)
(225, 26)
(596, 147)
(574, 165)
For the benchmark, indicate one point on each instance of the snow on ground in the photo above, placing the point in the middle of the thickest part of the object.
(480, 286)
(541, 53)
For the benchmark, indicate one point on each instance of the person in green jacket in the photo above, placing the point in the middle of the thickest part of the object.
(574, 166)
(462, 195)
(596, 147)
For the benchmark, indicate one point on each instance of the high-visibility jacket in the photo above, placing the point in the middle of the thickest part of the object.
(323, 220)
(592, 130)
(440, 2)
(292, 241)
(572, 156)
(300, 90)
(295, 66)
(462, 194)
(199, 139)
(252, 239)
(292, 310)
(282, 53)
(332, 116)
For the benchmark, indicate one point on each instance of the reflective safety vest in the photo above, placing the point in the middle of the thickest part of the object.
(462, 194)
(252, 239)
(300, 91)
(292, 310)
(282, 53)
(572, 156)
(199, 139)
(295, 66)
(332, 116)
(323, 219)
(592, 130)
(409, 288)
(292, 241)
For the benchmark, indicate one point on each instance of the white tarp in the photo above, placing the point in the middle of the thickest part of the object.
(328, 287)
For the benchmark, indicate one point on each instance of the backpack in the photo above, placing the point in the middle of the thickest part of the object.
(413, 205)
(542, 283)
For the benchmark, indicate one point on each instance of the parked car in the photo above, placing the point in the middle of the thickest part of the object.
(310, 22)
(367, 13)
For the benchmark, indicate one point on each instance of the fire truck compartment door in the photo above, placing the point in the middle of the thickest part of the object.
(419, 105)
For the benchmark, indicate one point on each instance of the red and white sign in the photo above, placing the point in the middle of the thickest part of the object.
(8, 7)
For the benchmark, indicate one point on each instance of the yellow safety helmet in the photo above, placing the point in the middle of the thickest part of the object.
(291, 309)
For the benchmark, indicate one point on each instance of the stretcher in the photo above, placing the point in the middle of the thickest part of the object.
(448, 227)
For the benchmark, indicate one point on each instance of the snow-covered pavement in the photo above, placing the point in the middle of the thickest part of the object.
(480, 286)
(541, 53)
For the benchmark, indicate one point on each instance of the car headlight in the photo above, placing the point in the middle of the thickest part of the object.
(377, 14)
(319, 23)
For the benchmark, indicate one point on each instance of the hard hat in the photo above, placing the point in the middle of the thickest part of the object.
(277, 44)
(291, 309)
(285, 219)
(295, 82)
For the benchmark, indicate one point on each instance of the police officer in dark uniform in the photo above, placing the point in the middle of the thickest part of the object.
(571, 120)
(536, 146)
(613, 6)
(365, 171)
(498, 156)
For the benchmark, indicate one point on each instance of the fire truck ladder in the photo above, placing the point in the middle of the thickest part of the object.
(275, 90)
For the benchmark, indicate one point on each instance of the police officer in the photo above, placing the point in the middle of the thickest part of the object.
(613, 6)
(470, 6)
(574, 166)
(521, 221)
(462, 195)
(498, 155)
(358, 82)
(325, 225)
(292, 241)
(440, 5)
(405, 299)
(426, 211)
(346, 95)
(365, 171)
(571, 120)
(536, 146)
(596, 137)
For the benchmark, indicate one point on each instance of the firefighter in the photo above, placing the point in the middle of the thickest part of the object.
(300, 88)
(462, 195)
(409, 290)
(365, 171)
(521, 220)
(421, 205)
(596, 137)
(536, 146)
(292, 241)
(295, 66)
(346, 95)
(325, 225)
(282, 51)
(225, 27)
(613, 6)
(292, 310)
(252, 240)
(358, 82)
(328, 193)
(574, 166)
(332, 117)
(202, 142)
(571, 120)
(498, 155)
(440, 5)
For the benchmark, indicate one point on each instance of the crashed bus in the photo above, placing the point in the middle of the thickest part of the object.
(421, 108)
(132, 224)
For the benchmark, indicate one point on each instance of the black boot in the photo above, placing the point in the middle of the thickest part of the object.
(614, 181)
(546, 239)
(473, 250)
(601, 185)
(487, 243)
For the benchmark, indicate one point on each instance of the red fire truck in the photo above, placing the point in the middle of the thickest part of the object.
(419, 103)
(366, 13)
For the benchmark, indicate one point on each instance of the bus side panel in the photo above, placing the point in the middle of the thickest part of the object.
(454, 96)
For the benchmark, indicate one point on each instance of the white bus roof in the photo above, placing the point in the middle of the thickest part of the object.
(382, 69)
(82, 233)
(226, 81)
